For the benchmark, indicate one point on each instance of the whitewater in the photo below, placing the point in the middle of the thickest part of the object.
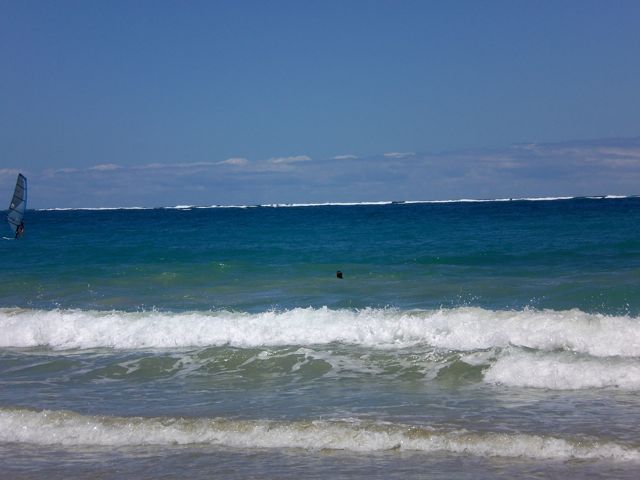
(559, 350)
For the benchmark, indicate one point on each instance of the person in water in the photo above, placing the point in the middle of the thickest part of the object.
(339, 274)
(20, 230)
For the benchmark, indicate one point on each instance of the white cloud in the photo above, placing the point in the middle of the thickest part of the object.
(560, 169)
(59, 171)
(234, 161)
(8, 172)
(295, 159)
(152, 166)
(620, 162)
(345, 157)
(105, 167)
(399, 154)
(622, 152)
(532, 147)
(159, 166)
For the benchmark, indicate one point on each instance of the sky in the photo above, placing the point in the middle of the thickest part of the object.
(158, 103)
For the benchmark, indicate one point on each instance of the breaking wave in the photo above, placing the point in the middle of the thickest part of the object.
(528, 348)
(560, 371)
(70, 429)
(459, 329)
(349, 204)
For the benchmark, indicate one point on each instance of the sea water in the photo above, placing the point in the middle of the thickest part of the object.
(465, 340)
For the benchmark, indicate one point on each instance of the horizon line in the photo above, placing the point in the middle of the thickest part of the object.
(346, 204)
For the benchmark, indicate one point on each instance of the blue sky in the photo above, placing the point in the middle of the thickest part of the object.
(227, 102)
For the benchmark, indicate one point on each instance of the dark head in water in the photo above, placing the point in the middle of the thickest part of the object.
(339, 274)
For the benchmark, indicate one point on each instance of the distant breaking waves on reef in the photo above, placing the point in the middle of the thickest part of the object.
(349, 204)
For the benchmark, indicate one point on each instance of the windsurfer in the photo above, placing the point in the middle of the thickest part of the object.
(20, 230)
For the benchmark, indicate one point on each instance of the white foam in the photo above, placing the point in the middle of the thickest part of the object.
(561, 371)
(181, 207)
(325, 204)
(71, 429)
(339, 204)
(460, 329)
(545, 199)
(90, 209)
(461, 200)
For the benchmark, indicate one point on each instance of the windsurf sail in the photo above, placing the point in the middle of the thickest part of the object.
(18, 206)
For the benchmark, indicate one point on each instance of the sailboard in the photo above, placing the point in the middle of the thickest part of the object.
(18, 206)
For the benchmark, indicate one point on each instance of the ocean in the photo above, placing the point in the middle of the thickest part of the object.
(466, 339)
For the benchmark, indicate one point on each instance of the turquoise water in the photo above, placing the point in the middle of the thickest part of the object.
(471, 339)
(499, 255)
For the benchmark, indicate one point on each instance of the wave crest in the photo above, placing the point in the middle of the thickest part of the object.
(71, 429)
(564, 372)
(458, 329)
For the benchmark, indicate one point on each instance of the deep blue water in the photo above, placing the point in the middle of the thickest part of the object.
(475, 339)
